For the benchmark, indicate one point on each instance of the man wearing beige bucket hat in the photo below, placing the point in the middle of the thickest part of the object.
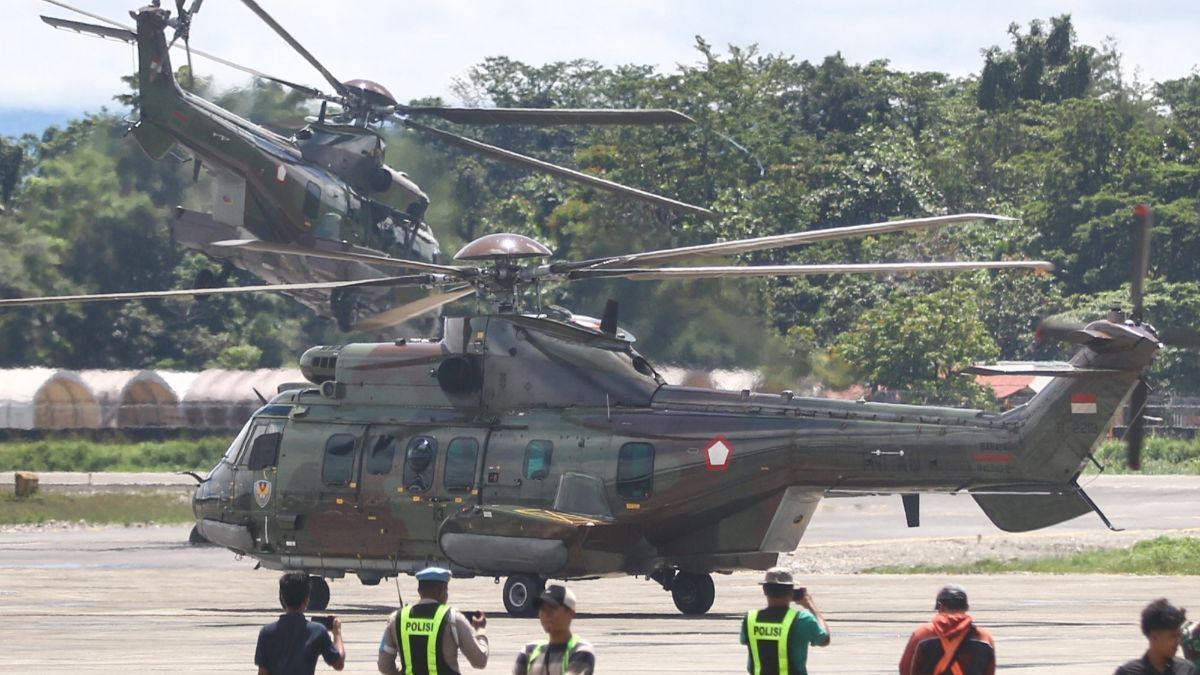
(778, 636)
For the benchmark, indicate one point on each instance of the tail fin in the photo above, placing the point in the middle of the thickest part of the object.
(1059, 429)
(156, 79)
(1064, 423)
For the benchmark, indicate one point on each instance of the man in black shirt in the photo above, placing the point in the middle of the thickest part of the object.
(291, 645)
(1161, 622)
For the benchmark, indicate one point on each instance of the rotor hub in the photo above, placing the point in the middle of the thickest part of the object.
(372, 93)
(503, 245)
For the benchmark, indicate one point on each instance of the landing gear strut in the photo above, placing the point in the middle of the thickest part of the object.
(318, 593)
(520, 591)
(692, 592)
(344, 305)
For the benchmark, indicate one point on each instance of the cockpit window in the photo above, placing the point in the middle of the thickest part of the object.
(258, 428)
(232, 452)
(312, 200)
(338, 468)
(274, 410)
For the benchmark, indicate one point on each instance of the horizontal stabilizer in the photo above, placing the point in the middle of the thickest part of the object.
(92, 29)
(1047, 368)
(1024, 512)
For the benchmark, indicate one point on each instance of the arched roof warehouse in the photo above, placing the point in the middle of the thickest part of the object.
(225, 399)
(46, 398)
(134, 399)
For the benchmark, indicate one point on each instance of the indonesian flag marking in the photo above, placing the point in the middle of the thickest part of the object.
(1083, 404)
(718, 454)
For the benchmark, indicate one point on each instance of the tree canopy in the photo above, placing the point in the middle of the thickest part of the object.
(1049, 131)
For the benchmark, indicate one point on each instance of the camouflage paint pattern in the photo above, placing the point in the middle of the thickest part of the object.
(503, 442)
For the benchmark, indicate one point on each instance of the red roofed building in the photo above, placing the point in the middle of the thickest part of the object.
(1012, 390)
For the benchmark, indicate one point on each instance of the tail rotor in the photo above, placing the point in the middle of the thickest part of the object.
(183, 30)
(1119, 332)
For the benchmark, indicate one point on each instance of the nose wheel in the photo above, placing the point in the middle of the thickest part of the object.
(520, 591)
(318, 593)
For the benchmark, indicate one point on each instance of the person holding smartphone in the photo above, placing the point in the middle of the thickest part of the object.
(428, 636)
(292, 644)
(778, 636)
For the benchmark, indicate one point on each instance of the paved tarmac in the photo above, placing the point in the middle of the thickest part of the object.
(110, 600)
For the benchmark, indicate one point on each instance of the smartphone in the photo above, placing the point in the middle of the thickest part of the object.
(798, 593)
(326, 621)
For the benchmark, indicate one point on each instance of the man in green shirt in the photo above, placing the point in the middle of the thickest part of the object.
(778, 636)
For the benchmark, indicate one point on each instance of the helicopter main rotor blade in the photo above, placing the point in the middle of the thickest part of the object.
(803, 270)
(775, 241)
(548, 116)
(397, 315)
(350, 256)
(556, 170)
(287, 37)
(411, 280)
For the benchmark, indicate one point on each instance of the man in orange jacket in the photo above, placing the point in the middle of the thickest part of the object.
(951, 643)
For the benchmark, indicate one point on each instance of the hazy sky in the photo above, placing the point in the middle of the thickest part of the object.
(418, 48)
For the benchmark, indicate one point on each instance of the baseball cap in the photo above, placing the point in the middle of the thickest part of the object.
(777, 576)
(556, 594)
(952, 596)
(434, 574)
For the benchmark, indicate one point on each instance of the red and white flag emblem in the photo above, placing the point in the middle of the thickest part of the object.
(718, 454)
(1083, 404)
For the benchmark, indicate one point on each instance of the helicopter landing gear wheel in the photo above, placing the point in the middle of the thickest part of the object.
(520, 591)
(344, 305)
(693, 593)
(195, 538)
(207, 278)
(318, 593)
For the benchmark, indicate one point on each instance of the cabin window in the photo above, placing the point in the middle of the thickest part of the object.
(338, 467)
(312, 201)
(635, 471)
(383, 452)
(537, 459)
(460, 465)
(418, 463)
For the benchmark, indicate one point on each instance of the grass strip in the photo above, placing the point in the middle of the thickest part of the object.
(77, 454)
(1169, 556)
(1159, 456)
(96, 508)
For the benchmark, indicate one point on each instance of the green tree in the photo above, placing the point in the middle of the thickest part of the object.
(919, 343)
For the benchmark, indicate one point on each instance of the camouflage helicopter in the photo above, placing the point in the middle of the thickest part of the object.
(325, 189)
(526, 445)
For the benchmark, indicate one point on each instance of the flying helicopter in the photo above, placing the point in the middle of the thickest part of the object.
(327, 188)
(526, 446)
